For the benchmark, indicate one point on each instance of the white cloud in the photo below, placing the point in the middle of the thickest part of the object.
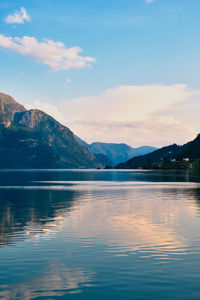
(150, 1)
(126, 103)
(53, 54)
(68, 80)
(129, 114)
(152, 131)
(18, 17)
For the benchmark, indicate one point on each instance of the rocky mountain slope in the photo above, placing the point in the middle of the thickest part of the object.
(33, 139)
(8, 107)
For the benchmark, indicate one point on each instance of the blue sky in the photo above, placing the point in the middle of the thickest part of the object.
(128, 42)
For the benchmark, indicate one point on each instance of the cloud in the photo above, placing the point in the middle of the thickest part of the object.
(68, 80)
(18, 17)
(129, 114)
(153, 131)
(50, 53)
(150, 1)
(126, 103)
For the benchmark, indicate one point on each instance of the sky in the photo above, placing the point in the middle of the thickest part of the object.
(124, 71)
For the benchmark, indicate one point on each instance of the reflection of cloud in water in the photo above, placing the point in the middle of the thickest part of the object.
(136, 220)
(132, 215)
(48, 230)
(148, 236)
(58, 281)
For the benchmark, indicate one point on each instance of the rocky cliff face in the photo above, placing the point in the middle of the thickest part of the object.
(30, 118)
(33, 139)
(8, 108)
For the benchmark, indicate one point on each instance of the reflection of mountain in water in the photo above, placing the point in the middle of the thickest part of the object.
(21, 208)
(194, 200)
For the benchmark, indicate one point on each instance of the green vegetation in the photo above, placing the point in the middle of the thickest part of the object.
(170, 157)
(175, 165)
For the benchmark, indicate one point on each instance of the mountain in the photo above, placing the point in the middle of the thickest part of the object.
(143, 150)
(170, 157)
(8, 107)
(103, 159)
(142, 161)
(191, 150)
(118, 153)
(33, 139)
(82, 142)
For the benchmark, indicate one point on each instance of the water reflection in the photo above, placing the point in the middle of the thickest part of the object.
(99, 237)
(148, 213)
(57, 281)
(132, 220)
(32, 211)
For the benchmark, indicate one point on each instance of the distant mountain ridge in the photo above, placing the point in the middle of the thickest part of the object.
(33, 139)
(102, 158)
(116, 153)
(119, 152)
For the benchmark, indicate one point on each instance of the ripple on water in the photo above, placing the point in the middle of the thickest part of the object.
(99, 239)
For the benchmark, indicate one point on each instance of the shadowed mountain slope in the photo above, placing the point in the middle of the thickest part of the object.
(33, 139)
(173, 156)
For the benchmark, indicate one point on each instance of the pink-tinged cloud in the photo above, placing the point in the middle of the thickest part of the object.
(137, 115)
(50, 53)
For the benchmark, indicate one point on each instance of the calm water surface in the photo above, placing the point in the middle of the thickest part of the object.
(99, 234)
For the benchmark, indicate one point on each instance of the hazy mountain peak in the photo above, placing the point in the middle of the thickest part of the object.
(118, 153)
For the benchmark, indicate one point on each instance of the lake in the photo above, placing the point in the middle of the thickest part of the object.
(95, 234)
